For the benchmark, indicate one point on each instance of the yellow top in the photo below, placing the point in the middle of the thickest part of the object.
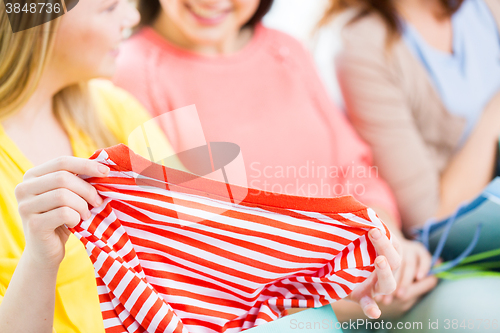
(77, 305)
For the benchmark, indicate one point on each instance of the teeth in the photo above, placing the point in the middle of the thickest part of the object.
(206, 13)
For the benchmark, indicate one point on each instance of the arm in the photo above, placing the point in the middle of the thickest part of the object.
(29, 302)
(471, 169)
(50, 197)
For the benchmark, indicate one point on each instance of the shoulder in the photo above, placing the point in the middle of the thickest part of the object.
(280, 42)
(494, 7)
(290, 53)
(366, 32)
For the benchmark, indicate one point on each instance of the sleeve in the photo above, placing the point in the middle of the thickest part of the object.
(352, 157)
(131, 124)
(377, 108)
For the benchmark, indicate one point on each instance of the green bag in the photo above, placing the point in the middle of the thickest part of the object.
(311, 320)
(469, 240)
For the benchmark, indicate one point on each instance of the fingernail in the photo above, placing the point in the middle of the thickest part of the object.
(381, 263)
(88, 215)
(375, 314)
(375, 233)
(99, 200)
(103, 169)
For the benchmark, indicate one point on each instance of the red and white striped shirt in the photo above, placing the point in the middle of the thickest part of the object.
(181, 258)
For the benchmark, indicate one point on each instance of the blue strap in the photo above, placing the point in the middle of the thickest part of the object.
(426, 230)
(450, 264)
(444, 237)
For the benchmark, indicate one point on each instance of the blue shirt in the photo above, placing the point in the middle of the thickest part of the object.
(467, 79)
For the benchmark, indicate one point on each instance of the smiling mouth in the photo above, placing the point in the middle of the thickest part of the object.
(208, 16)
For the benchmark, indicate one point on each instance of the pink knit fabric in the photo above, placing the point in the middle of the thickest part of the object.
(268, 99)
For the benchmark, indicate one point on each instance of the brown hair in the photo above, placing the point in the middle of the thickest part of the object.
(384, 8)
(150, 9)
(23, 58)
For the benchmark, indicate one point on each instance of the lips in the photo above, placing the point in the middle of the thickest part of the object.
(208, 15)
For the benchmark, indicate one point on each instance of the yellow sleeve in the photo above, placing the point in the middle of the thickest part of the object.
(129, 121)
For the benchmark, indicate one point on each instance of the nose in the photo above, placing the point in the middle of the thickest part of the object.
(131, 17)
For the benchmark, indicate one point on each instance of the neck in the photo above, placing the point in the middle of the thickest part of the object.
(410, 8)
(39, 106)
(232, 43)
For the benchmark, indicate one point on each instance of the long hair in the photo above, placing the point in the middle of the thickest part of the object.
(23, 57)
(384, 8)
(150, 9)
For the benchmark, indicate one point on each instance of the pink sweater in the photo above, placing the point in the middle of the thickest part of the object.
(268, 99)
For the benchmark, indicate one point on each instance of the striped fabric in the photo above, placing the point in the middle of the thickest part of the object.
(173, 257)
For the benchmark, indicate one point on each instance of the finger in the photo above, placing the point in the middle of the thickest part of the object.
(407, 273)
(387, 299)
(385, 248)
(397, 245)
(46, 223)
(61, 179)
(71, 164)
(60, 197)
(386, 283)
(424, 263)
(370, 307)
(421, 287)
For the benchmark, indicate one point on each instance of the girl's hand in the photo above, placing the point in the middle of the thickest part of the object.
(52, 196)
(415, 266)
(413, 282)
(382, 281)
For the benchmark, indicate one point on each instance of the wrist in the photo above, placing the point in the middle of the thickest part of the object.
(36, 265)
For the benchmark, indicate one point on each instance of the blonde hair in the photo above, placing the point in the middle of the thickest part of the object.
(23, 58)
